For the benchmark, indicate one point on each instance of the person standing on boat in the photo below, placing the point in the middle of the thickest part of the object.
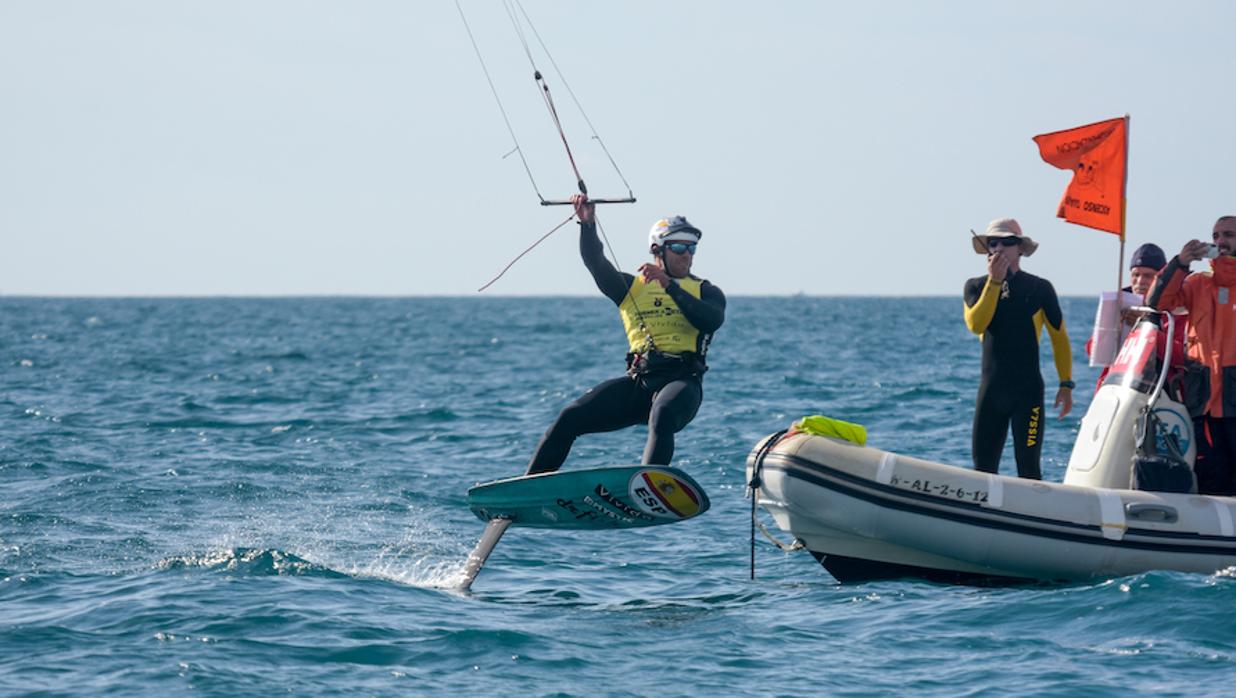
(1210, 298)
(670, 316)
(1008, 309)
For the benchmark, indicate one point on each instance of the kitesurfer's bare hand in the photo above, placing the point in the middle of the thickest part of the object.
(997, 266)
(1064, 401)
(652, 272)
(584, 209)
(1192, 251)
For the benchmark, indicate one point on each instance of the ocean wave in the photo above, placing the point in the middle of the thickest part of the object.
(290, 355)
(261, 398)
(432, 415)
(248, 562)
(216, 423)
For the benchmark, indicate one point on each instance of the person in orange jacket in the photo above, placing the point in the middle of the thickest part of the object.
(1210, 298)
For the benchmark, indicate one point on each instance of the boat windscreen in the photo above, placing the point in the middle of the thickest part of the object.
(1137, 364)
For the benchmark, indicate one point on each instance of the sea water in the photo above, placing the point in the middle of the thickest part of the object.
(257, 496)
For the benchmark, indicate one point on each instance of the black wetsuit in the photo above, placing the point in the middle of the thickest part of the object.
(1009, 318)
(664, 393)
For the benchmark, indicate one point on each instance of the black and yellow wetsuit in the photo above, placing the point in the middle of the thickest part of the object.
(1009, 318)
(668, 332)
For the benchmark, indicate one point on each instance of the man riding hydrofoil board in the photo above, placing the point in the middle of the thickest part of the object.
(669, 316)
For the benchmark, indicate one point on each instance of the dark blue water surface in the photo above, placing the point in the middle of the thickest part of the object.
(243, 496)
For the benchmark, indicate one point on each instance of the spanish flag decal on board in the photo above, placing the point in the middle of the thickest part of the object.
(1097, 154)
(674, 494)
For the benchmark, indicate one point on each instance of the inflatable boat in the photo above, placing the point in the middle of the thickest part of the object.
(869, 514)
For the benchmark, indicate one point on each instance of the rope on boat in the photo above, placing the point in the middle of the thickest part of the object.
(753, 489)
(796, 544)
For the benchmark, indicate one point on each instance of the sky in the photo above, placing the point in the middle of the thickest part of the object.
(156, 148)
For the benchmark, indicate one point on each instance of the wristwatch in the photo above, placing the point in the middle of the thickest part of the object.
(1068, 384)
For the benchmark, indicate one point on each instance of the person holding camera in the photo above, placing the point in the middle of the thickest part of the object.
(1210, 298)
(1008, 309)
(670, 316)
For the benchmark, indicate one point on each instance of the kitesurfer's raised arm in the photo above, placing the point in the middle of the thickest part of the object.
(609, 280)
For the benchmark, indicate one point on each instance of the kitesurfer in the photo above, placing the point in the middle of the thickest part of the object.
(1008, 309)
(1211, 301)
(670, 316)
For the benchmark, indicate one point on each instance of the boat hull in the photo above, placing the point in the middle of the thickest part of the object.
(870, 514)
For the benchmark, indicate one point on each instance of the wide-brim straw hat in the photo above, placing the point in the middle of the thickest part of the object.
(1004, 228)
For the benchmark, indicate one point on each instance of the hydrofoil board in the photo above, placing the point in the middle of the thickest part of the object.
(625, 496)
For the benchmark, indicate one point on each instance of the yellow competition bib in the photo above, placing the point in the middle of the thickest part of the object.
(662, 318)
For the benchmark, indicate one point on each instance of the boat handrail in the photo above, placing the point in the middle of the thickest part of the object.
(1167, 357)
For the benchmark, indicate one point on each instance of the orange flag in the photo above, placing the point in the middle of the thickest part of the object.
(1098, 156)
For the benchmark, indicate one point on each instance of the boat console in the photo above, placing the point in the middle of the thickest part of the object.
(1133, 397)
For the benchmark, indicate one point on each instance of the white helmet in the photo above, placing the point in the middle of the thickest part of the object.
(672, 228)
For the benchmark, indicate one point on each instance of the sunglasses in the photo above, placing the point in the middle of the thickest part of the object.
(681, 247)
(993, 243)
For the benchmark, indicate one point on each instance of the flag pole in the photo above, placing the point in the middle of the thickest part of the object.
(1124, 212)
(1124, 204)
